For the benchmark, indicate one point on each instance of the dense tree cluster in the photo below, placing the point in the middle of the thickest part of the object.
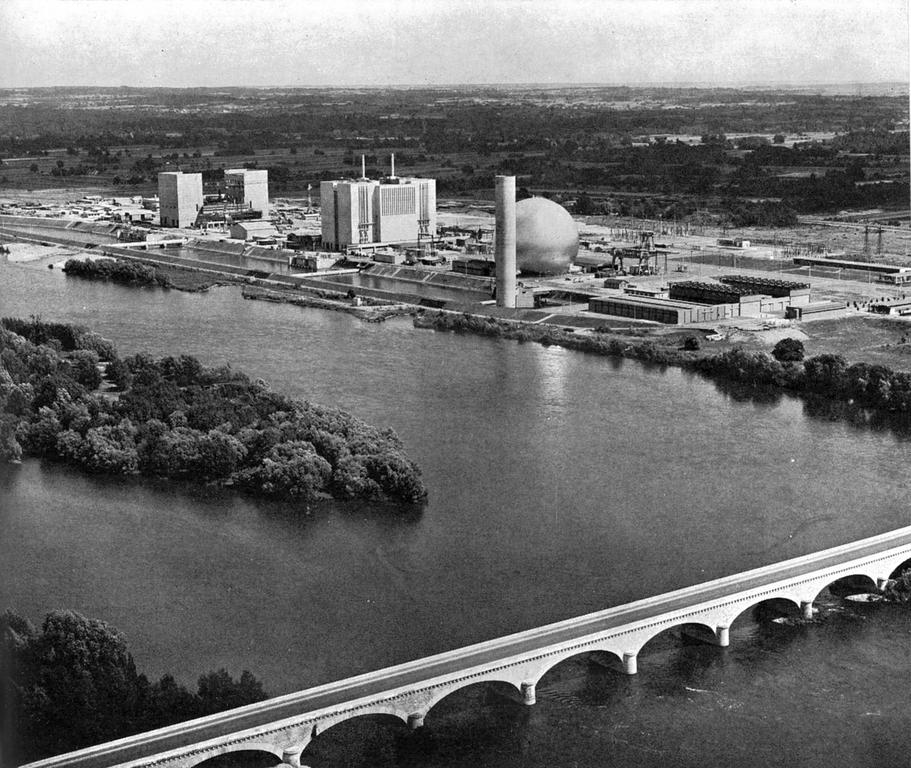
(175, 418)
(117, 271)
(73, 683)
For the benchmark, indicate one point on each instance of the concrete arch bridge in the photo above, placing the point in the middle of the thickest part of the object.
(284, 726)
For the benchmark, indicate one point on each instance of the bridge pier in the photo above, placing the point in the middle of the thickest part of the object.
(806, 609)
(415, 720)
(292, 757)
(528, 693)
(629, 663)
(724, 636)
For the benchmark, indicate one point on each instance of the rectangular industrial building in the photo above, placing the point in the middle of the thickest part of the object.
(677, 312)
(248, 188)
(253, 230)
(705, 293)
(819, 310)
(361, 211)
(656, 310)
(765, 285)
(866, 266)
(179, 198)
(892, 307)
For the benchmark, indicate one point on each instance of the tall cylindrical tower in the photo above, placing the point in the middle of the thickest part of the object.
(505, 251)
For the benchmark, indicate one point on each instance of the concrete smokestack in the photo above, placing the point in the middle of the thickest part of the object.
(392, 166)
(505, 251)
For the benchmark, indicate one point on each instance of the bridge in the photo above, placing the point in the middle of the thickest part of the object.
(285, 725)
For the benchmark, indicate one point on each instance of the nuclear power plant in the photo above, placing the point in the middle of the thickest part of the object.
(380, 239)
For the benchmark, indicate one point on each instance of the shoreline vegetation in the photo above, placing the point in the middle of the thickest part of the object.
(826, 376)
(139, 274)
(136, 273)
(73, 683)
(65, 395)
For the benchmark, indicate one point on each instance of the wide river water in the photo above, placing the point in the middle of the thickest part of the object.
(559, 484)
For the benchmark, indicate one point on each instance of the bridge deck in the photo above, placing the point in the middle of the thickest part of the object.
(521, 644)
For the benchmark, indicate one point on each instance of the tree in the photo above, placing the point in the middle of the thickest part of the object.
(80, 685)
(825, 373)
(291, 470)
(788, 351)
(218, 691)
(220, 454)
(33, 167)
(585, 206)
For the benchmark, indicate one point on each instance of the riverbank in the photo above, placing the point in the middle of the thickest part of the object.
(136, 273)
(368, 310)
(829, 375)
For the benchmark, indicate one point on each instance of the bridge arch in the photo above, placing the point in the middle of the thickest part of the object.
(767, 607)
(347, 736)
(608, 656)
(850, 584)
(216, 756)
(496, 682)
(896, 569)
(697, 629)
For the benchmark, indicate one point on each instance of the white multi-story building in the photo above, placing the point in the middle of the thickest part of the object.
(179, 198)
(249, 188)
(363, 211)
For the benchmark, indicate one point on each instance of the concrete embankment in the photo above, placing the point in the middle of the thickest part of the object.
(371, 313)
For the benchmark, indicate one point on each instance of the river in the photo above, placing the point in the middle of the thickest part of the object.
(559, 484)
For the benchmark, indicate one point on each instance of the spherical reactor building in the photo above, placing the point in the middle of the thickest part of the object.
(547, 238)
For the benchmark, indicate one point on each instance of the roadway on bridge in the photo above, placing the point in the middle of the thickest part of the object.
(460, 660)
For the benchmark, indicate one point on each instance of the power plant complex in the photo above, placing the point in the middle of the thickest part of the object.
(379, 240)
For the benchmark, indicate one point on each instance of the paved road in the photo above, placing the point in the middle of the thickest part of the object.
(506, 648)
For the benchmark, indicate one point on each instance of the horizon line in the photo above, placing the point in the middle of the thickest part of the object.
(528, 84)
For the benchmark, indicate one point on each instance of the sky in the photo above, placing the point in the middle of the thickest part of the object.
(183, 43)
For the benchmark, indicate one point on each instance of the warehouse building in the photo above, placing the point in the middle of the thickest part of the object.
(819, 310)
(658, 310)
(260, 231)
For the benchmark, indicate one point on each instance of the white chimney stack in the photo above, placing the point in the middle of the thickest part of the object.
(505, 247)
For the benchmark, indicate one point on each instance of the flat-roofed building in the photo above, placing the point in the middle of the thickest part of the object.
(363, 211)
(249, 188)
(179, 198)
